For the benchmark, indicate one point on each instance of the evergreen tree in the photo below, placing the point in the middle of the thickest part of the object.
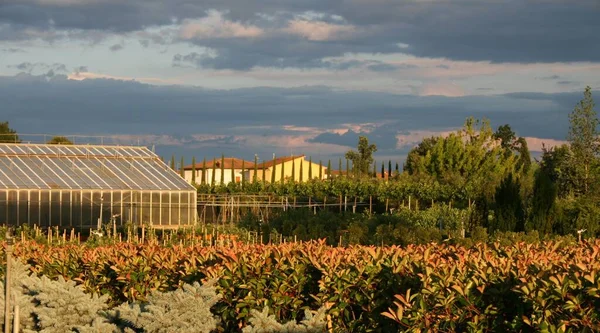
(543, 202)
(172, 162)
(222, 169)
(183, 310)
(397, 169)
(382, 170)
(233, 180)
(302, 170)
(340, 167)
(310, 174)
(273, 172)
(255, 178)
(264, 172)
(329, 169)
(320, 170)
(203, 181)
(214, 173)
(243, 173)
(181, 171)
(293, 170)
(510, 214)
(506, 136)
(390, 169)
(583, 138)
(524, 159)
(282, 180)
(194, 170)
(7, 134)
(362, 157)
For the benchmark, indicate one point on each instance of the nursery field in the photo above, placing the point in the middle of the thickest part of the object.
(549, 286)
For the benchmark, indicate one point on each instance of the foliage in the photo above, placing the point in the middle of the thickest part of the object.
(506, 285)
(362, 158)
(60, 140)
(7, 134)
(510, 214)
(183, 310)
(262, 322)
(584, 139)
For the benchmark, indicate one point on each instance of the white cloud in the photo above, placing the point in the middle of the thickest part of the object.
(216, 26)
(319, 31)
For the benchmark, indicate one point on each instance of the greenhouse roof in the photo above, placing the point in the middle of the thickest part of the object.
(73, 167)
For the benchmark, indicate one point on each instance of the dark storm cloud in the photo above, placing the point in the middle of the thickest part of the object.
(499, 31)
(126, 107)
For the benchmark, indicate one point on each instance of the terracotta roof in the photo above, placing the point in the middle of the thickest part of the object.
(229, 162)
(278, 160)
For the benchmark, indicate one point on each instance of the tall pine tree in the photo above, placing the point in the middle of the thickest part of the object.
(194, 170)
(203, 181)
(222, 169)
(181, 171)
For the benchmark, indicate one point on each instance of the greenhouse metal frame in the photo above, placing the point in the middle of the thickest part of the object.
(81, 186)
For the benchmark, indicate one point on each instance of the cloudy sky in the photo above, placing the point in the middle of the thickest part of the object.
(246, 77)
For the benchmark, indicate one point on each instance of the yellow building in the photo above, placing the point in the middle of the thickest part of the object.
(288, 164)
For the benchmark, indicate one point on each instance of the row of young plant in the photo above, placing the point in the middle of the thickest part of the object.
(398, 189)
(549, 286)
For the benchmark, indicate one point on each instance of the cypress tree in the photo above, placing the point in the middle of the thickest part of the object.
(282, 172)
(301, 171)
(310, 177)
(243, 173)
(390, 169)
(329, 169)
(397, 169)
(294, 171)
(173, 162)
(510, 215)
(214, 172)
(233, 170)
(264, 177)
(194, 170)
(382, 170)
(273, 171)
(340, 167)
(255, 178)
(320, 170)
(181, 172)
(203, 181)
(222, 169)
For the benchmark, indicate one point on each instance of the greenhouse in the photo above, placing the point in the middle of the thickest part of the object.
(81, 186)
